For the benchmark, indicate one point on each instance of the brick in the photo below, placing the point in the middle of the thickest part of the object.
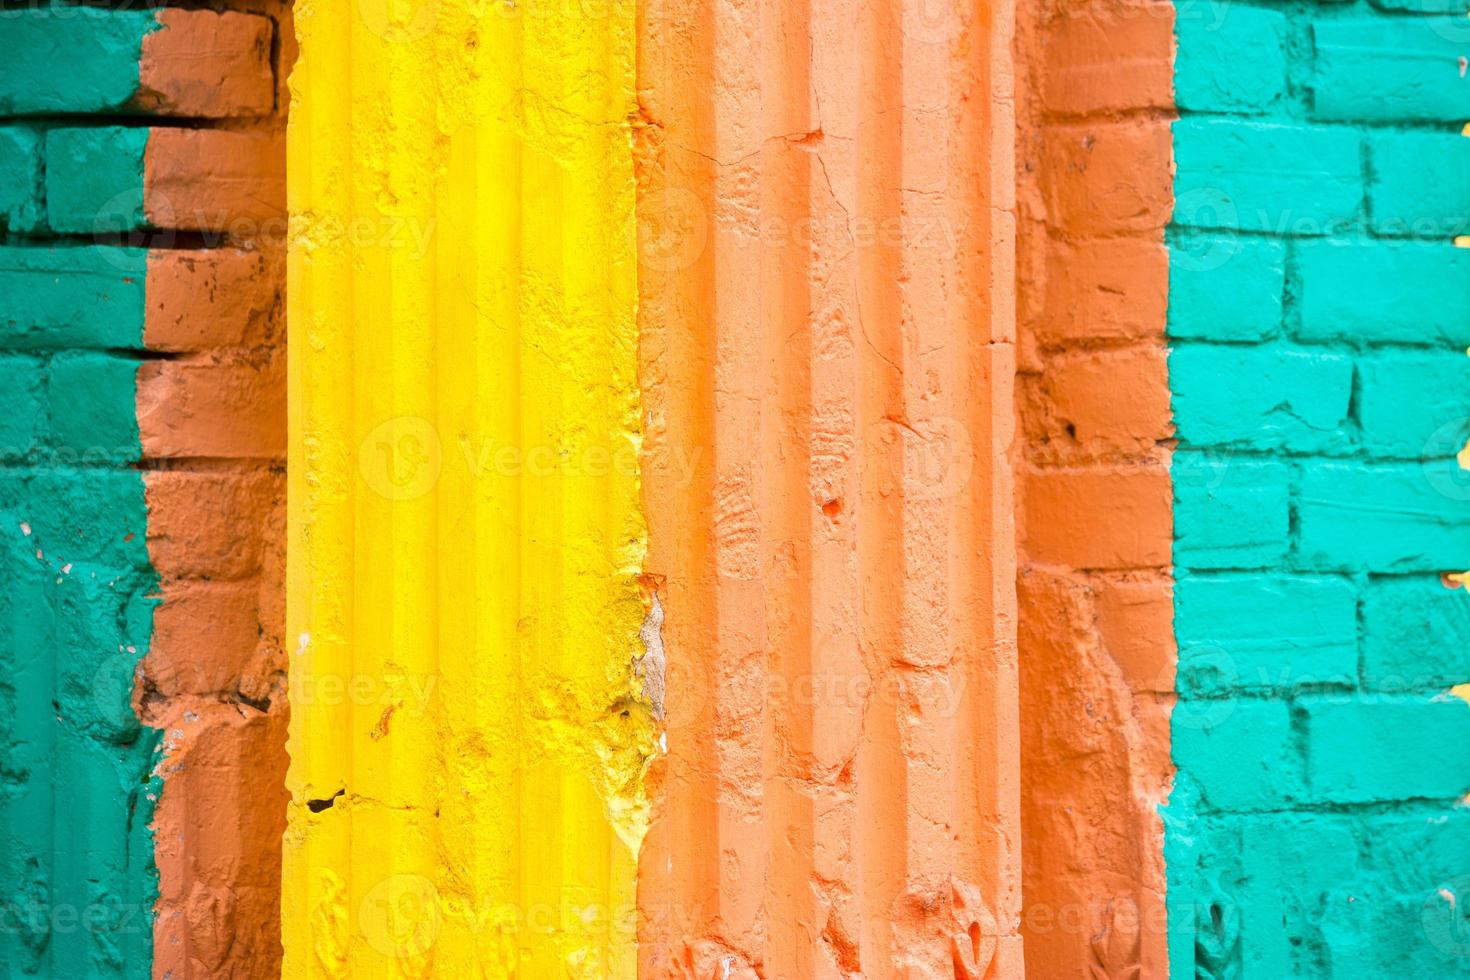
(71, 296)
(1105, 518)
(1110, 60)
(205, 639)
(1107, 177)
(1417, 852)
(1260, 398)
(1416, 634)
(1376, 69)
(20, 188)
(1236, 63)
(1116, 289)
(1225, 288)
(99, 49)
(1414, 405)
(1111, 400)
(208, 65)
(1229, 512)
(226, 297)
(1265, 632)
(1386, 517)
(1135, 617)
(1238, 753)
(230, 544)
(90, 397)
(1302, 180)
(1420, 185)
(94, 179)
(88, 515)
(220, 406)
(22, 424)
(1379, 748)
(1384, 293)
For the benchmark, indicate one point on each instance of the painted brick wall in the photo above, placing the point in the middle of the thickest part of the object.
(1097, 652)
(141, 354)
(1320, 389)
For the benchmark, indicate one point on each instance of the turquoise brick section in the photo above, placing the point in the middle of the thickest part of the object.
(1251, 271)
(1353, 293)
(77, 877)
(94, 179)
(1420, 185)
(71, 59)
(1319, 315)
(1264, 397)
(1416, 634)
(1266, 176)
(20, 190)
(1241, 58)
(1389, 70)
(1265, 632)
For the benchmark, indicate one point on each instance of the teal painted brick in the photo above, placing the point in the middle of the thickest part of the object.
(94, 179)
(1266, 177)
(72, 296)
(1379, 69)
(1229, 513)
(1260, 398)
(70, 59)
(1224, 288)
(1416, 634)
(1407, 293)
(92, 398)
(20, 179)
(1377, 748)
(1448, 25)
(22, 424)
(1264, 632)
(89, 515)
(1414, 405)
(1420, 185)
(1235, 63)
(1239, 754)
(1386, 517)
(1417, 852)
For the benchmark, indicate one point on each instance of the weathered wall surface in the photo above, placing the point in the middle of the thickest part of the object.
(826, 252)
(1097, 646)
(143, 430)
(469, 725)
(1319, 379)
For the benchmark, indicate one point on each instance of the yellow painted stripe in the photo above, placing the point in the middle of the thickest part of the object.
(465, 534)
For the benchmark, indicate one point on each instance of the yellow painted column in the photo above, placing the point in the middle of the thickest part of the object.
(468, 731)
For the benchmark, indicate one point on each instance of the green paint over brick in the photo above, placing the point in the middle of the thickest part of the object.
(1241, 754)
(83, 392)
(1225, 288)
(1266, 176)
(22, 420)
(1389, 69)
(1238, 62)
(1386, 748)
(71, 59)
(1392, 517)
(1229, 513)
(1420, 186)
(1416, 635)
(94, 179)
(1261, 397)
(70, 296)
(20, 179)
(1264, 632)
(1384, 293)
(1414, 405)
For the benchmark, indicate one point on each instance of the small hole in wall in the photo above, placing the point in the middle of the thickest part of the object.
(317, 806)
(1448, 580)
(833, 509)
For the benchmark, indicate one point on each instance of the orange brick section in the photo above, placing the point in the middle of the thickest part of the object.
(211, 416)
(208, 64)
(1096, 639)
(826, 230)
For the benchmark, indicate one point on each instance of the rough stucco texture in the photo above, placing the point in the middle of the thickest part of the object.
(826, 215)
(143, 425)
(1318, 373)
(469, 728)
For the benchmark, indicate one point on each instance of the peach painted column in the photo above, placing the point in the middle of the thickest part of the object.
(826, 281)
